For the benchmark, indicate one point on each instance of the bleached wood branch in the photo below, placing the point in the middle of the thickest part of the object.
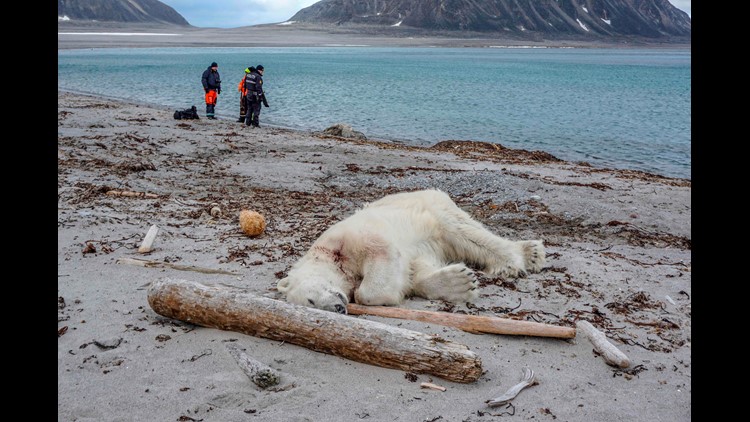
(157, 264)
(470, 323)
(611, 354)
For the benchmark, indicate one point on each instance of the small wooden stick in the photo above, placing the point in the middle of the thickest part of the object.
(611, 354)
(157, 264)
(148, 241)
(131, 194)
(432, 386)
(262, 375)
(470, 323)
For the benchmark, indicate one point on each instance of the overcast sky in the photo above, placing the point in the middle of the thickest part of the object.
(235, 13)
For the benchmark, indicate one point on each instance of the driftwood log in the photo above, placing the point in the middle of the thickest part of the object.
(157, 264)
(148, 241)
(259, 373)
(470, 323)
(131, 194)
(611, 354)
(234, 309)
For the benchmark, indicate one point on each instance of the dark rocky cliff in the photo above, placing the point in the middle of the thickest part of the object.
(595, 18)
(141, 11)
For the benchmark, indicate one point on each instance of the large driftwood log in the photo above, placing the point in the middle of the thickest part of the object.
(370, 342)
(470, 323)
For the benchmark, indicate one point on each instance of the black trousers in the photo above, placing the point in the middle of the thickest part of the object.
(243, 106)
(253, 111)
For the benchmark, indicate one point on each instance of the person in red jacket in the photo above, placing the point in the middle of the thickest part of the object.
(243, 93)
(212, 85)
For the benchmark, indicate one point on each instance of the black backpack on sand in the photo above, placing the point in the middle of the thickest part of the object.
(187, 114)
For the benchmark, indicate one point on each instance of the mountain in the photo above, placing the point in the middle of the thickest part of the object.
(141, 11)
(586, 18)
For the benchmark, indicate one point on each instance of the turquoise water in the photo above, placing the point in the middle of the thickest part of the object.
(621, 108)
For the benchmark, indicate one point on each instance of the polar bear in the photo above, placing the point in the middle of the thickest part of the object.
(405, 244)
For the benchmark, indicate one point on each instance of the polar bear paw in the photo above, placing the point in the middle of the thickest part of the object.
(454, 283)
(526, 256)
(533, 255)
(511, 268)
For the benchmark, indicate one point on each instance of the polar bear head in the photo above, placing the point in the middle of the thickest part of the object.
(317, 289)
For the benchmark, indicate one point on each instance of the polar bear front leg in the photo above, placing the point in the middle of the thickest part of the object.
(385, 279)
(434, 280)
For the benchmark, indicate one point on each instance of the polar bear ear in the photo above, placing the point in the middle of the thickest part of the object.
(283, 285)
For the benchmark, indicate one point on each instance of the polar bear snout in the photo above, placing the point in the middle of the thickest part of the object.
(328, 300)
(314, 292)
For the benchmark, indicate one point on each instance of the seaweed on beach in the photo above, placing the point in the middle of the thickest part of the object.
(642, 237)
(135, 166)
(638, 301)
(494, 152)
(637, 175)
(547, 179)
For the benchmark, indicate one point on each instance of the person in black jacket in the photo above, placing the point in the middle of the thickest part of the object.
(212, 85)
(255, 96)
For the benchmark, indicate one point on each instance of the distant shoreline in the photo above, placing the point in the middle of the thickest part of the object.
(77, 35)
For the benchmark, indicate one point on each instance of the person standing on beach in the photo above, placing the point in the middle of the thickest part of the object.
(255, 95)
(243, 93)
(212, 85)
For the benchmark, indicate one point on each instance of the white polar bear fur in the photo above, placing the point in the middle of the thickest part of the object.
(406, 244)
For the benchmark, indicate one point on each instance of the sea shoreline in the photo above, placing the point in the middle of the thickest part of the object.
(401, 142)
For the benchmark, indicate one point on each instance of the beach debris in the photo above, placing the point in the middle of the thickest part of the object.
(158, 264)
(343, 130)
(259, 373)
(148, 241)
(89, 248)
(109, 343)
(134, 166)
(527, 380)
(131, 194)
(611, 354)
(252, 223)
(162, 337)
(205, 352)
(215, 211)
(283, 388)
(231, 308)
(670, 300)
(62, 331)
(432, 386)
(470, 323)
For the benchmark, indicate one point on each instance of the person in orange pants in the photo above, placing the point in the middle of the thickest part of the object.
(212, 85)
(243, 93)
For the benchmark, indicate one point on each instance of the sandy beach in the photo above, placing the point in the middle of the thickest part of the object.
(618, 246)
